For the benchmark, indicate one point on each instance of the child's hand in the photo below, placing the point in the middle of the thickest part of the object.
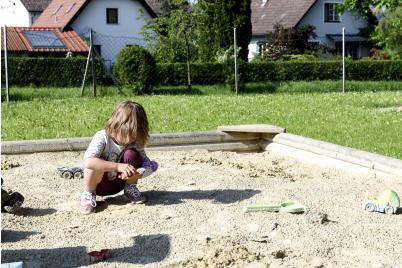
(126, 171)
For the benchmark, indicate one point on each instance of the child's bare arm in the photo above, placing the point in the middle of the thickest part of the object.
(98, 164)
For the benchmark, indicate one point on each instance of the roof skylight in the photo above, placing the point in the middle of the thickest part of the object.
(44, 39)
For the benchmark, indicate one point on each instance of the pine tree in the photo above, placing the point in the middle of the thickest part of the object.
(217, 20)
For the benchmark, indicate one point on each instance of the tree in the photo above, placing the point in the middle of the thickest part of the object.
(217, 18)
(388, 34)
(171, 37)
(288, 41)
(368, 8)
(375, 11)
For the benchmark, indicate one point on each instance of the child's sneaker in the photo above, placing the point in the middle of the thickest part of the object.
(132, 193)
(88, 203)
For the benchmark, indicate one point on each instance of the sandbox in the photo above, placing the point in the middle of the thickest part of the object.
(194, 217)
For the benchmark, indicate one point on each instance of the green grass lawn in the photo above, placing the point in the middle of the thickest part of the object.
(312, 109)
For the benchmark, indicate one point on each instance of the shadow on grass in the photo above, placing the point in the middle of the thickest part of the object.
(180, 90)
(146, 249)
(259, 88)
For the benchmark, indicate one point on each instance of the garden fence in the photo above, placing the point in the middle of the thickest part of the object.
(58, 68)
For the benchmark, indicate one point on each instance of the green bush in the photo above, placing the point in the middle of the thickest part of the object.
(216, 73)
(49, 72)
(201, 73)
(135, 67)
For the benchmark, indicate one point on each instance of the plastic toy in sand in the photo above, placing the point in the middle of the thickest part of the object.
(11, 202)
(387, 202)
(70, 172)
(95, 256)
(289, 207)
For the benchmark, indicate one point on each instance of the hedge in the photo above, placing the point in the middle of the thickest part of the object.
(49, 72)
(69, 71)
(215, 73)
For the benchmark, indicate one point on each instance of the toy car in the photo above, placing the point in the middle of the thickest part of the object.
(70, 172)
(387, 202)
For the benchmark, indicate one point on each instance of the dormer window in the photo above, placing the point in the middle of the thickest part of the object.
(112, 16)
(331, 15)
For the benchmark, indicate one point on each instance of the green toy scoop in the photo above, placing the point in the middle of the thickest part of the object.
(289, 207)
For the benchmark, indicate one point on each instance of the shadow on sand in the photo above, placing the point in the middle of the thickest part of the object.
(145, 250)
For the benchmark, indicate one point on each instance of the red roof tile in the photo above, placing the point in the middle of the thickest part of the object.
(61, 13)
(17, 41)
(266, 13)
(35, 5)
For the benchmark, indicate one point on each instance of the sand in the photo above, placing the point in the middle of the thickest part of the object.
(194, 217)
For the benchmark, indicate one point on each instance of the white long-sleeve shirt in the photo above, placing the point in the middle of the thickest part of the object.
(104, 147)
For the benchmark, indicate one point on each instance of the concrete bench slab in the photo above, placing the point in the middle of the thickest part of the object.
(254, 128)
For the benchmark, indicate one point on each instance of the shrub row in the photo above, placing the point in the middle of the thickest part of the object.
(61, 72)
(213, 73)
(50, 72)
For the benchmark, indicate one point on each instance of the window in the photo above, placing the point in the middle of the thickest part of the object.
(112, 16)
(351, 49)
(261, 47)
(98, 49)
(43, 39)
(331, 15)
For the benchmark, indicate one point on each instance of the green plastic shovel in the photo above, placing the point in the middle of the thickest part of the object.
(289, 207)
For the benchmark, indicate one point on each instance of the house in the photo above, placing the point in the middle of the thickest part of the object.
(21, 13)
(41, 41)
(319, 13)
(113, 24)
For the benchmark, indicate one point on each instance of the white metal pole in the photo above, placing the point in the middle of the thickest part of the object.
(235, 59)
(343, 60)
(1, 57)
(5, 64)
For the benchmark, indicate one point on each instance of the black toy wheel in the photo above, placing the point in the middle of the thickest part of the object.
(67, 175)
(78, 175)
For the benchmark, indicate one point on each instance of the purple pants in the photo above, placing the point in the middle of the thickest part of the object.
(107, 187)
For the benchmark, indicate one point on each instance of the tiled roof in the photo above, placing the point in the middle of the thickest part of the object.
(155, 5)
(61, 13)
(266, 13)
(17, 41)
(35, 5)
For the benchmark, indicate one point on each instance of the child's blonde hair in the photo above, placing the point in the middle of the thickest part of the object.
(129, 121)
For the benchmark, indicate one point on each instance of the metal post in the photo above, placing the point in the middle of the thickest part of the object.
(235, 59)
(5, 64)
(86, 71)
(1, 58)
(343, 60)
(93, 62)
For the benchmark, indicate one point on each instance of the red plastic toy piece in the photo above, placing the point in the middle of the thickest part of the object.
(95, 256)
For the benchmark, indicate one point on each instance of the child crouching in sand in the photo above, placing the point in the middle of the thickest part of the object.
(115, 158)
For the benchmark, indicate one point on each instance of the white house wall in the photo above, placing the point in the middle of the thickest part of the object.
(253, 46)
(315, 17)
(13, 13)
(112, 37)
